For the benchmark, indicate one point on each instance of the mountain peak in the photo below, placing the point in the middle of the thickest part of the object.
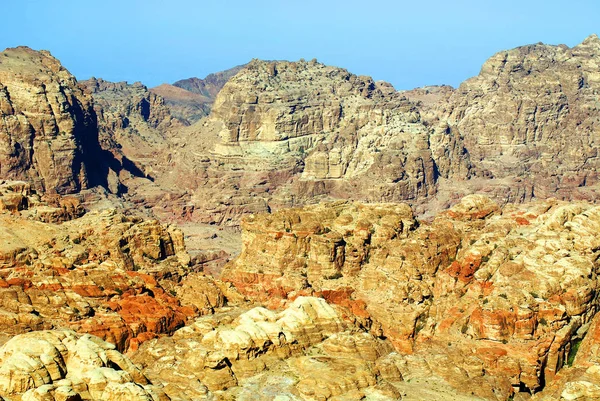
(592, 40)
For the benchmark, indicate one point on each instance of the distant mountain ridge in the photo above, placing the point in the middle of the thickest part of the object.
(192, 98)
(211, 85)
(282, 134)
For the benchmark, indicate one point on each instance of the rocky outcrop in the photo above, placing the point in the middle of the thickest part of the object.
(529, 121)
(286, 133)
(62, 365)
(102, 273)
(308, 350)
(48, 133)
(133, 127)
(500, 294)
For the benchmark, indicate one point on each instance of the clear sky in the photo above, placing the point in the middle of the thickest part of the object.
(409, 44)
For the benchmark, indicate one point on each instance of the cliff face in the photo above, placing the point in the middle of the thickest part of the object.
(286, 133)
(48, 132)
(529, 121)
(133, 126)
(342, 126)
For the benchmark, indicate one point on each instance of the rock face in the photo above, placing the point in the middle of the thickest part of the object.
(529, 121)
(133, 126)
(500, 294)
(283, 133)
(62, 365)
(102, 273)
(48, 133)
(308, 351)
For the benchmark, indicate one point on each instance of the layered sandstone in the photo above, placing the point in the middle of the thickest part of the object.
(499, 294)
(286, 133)
(103, 273)
(62, 365)
(306, 351)
(282, 134)
(48, 133)
(529, 121)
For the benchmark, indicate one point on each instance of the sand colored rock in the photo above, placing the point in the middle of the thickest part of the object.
(306, 351)
(49, 133)
(102, 273)
(283, 133)
(528, 122)
(63, 365)
(486, 298)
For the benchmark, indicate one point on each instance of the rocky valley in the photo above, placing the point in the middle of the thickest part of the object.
(292, 231)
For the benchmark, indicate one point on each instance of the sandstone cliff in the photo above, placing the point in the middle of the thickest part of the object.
(287, 133)
(48, 133)
(529, 122)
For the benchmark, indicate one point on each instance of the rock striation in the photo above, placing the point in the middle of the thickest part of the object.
(283, 134)
(102, 273)
(48, 133)
(287, 133)
(529, 121)
(489, 299)
(307, 351)
(62, 365)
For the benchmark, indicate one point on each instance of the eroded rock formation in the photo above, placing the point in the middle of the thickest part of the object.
(529, 121)
(287, 133)
(101, 273)
(48, 133)
(499, 294)
(62, 365)
(308, 349)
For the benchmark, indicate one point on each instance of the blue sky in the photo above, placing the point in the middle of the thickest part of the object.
(409, 44)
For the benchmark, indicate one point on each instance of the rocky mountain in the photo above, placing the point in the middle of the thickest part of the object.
(282, 134)
(48, 133)
(365, 272)
(211, 85)
(287, 133)
(187, 106)
(530, 121)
